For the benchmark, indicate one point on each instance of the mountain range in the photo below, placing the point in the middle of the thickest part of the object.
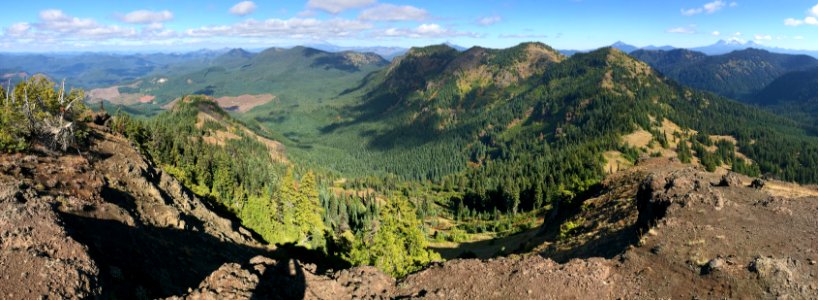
(737, 74)
(610, 165)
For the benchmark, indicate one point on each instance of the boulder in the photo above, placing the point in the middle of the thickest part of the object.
(731, 179)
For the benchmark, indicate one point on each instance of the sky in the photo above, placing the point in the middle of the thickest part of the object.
(181, 25)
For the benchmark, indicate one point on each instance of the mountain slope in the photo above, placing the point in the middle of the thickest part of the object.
(544, 136)
(90, 70)
(621, 46)
(278, 73)
(735, 75)
(794, 94)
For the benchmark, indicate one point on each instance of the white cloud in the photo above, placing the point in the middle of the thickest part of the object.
(423, 31)
(763, 37)
(715, 33)
(57, 20)
(806, 21)
(713, 6)
(682, 30)
(490, 20)
(55, 23)
(798, 37)
(337, 6)
(147, 17)
(810, 19)
(793, 22)
(297, 28)
(18, 29)
(390, 12)
(710, 7)
(243, 8)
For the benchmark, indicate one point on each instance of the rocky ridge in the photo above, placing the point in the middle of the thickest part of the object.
(108, 223)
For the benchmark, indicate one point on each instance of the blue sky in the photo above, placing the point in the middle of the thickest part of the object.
(177, 25)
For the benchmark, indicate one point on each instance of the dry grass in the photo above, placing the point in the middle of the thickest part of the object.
(615, 162)
(112, 94)
(639, 138)
(220, 137)
(789, 190)
(244, 103)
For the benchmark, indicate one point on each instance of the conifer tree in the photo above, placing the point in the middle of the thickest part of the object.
(308, 212)
(398, 246)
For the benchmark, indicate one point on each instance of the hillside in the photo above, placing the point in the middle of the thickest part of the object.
(793, 94)
(274, 74)
(92, 70)
(486, 150)
(597, 96)
(736, 75)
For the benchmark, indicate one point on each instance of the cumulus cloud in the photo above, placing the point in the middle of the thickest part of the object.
(423, 31)
(54, 21)
(300, 28)
(147, 17)
(337, 6)
(490, 20)
(715, 33)
(391, 12)
(18, 29)
(810, 19)
(710, 7)
(243, 8)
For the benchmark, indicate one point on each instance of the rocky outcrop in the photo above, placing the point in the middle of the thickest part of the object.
(38, 259)
(731, 179)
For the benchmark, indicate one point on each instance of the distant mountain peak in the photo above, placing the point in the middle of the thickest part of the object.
(624, 47)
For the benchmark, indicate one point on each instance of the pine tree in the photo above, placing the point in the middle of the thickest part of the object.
(288, 197)
(398, 246)
(308, 212)
(683, 151)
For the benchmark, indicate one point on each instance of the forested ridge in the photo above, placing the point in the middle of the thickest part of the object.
(737, 75)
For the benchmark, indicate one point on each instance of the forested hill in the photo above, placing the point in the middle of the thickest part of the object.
(550, 127)
(280, 73)
(90, 70)
(735, 75)
(794, 94)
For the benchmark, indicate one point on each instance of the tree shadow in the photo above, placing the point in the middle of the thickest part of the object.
(606, 243)
(147, 262)
(153, 262)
